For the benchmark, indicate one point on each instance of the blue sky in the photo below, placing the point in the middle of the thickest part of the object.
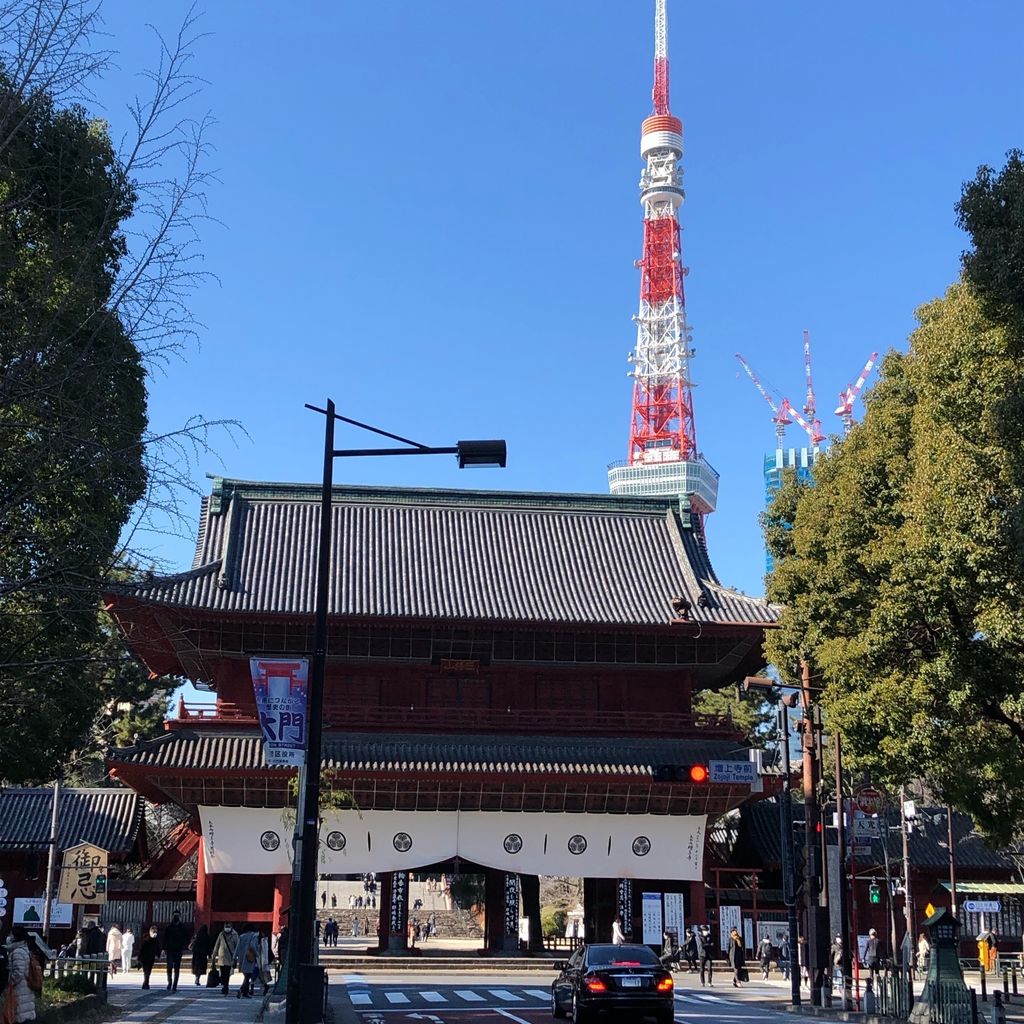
(429, 212)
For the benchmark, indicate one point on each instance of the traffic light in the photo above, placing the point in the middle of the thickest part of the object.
(697, 773)
(874, 893)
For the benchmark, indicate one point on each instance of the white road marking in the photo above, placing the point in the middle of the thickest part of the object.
(537, 993)
(503, 993)
(511, 1016)
(709, 999)
(396, 997)
(434, 997)
(469, 996)
(361, 998)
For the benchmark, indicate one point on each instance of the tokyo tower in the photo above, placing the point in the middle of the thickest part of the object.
(663, 456)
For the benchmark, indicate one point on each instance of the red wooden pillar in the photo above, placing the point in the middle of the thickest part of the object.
(282, 900)
(698, 903)
(204, 890)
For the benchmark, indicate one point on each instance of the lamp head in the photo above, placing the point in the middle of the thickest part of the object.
(481, 453)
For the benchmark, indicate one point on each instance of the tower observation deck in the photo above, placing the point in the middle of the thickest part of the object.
(663, 458)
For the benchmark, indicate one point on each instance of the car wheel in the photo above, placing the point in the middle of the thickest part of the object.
(556, 1006)
(579, 1015)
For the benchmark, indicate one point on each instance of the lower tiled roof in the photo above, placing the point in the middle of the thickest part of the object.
(108, 818)
(417, 752)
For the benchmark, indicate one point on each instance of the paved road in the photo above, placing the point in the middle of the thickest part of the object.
(189, 1005)
(438, 999)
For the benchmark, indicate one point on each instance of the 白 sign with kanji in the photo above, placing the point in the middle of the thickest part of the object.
(83, 875)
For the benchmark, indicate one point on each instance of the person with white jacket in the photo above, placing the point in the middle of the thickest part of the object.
(115, 947)
(127, 946)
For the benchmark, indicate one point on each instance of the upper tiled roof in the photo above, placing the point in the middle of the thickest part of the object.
(474, 754)
(108, 818)
(759, 838)
(460, 555)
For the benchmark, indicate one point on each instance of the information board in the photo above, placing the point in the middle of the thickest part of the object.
(652, 918)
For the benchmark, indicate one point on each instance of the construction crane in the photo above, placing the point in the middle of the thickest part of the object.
(849, 396)
(810, 403)
(812, 428)
(781, 413)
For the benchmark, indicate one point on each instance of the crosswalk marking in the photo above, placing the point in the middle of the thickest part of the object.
(396, 997)
(434, 997)
(361, 998)
(537, 993)
(502, 993)
(469, 995)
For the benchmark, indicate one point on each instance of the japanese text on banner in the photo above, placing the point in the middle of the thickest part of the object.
(280, 687)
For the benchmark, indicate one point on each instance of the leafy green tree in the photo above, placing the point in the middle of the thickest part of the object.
(751, 715)
(97, 250)
(902, 569)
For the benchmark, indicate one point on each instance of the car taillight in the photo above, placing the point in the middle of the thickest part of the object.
(594, 983)
(665, 985)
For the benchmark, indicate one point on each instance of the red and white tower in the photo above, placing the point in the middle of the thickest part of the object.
(663, 456)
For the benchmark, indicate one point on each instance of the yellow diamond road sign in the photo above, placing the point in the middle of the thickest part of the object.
(929, 911)
(83, 875)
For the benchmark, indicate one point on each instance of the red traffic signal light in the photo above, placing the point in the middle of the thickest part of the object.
(698, 773)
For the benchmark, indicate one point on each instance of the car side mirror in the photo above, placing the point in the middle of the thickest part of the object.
(559, 965)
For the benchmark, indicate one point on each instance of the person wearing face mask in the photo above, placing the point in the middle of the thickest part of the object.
(224, 955)
(19, 959)
(149, 953)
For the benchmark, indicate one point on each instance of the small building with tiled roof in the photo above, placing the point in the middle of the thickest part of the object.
(975, 866)
(487, 651)
(111, 818)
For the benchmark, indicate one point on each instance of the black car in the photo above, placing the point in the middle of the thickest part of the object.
(626, 979)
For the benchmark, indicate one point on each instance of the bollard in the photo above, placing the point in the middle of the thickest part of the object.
(998, 1013)
(1013, 978)
(984, 991)
(1006, 985)
(974, 1007)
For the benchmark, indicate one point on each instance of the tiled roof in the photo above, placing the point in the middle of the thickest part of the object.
(462, 555)
(108, 818)
(759, 837)
(473, 754)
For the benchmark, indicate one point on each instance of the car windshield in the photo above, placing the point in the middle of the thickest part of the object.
(621, 956)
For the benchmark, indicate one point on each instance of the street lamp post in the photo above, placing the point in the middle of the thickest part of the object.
(303, 916)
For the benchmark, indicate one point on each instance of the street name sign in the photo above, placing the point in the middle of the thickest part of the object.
(982, 906)
(737, 773)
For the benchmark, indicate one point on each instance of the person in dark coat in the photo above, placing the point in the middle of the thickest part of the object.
(736, 957)
(175, 943)
(149, 953)
(705, 954)
(95, 941)
(202, 946)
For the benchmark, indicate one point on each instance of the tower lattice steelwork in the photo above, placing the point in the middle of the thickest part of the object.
(663, 456)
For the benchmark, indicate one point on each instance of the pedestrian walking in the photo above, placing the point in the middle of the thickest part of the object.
(618, 936)
(366, 929)
(764, 955)
(20, 1001)
(127, 947)
(924, 947)
(149, 953)
(837, 962)
(323, 898)
(871, 956)
(114, 948)
(176, 938)
(706, 954)
(334, 900)
(248, 955)
(224, 955)
(737, 959)
(202, 946)
(785, 956)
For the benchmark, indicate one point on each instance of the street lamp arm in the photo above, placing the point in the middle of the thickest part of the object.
(365, 426)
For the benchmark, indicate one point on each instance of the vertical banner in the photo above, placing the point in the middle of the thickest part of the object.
(280, 687)
(674, 915)
(652, 919)
(624, 904)
(748, 933)
(728, 918)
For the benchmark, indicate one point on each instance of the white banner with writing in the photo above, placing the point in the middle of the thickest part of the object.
(258, 841)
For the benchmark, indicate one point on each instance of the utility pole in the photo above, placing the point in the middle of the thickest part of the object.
(908, 898)
(816, 947)
(788, 872)
(844, 909)
(952, 859)
(51, 860)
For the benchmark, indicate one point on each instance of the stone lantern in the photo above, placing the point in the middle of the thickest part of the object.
(945, 984)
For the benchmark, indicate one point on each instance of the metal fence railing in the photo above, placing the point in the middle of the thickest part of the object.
(93, 968)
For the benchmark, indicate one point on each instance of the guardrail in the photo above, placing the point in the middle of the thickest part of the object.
(94, 968)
